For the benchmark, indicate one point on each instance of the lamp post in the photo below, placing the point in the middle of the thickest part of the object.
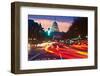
(49, 31)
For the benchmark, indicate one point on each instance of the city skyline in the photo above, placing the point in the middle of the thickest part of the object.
(64, 22)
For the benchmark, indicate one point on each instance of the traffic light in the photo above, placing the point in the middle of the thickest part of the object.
(49, 31)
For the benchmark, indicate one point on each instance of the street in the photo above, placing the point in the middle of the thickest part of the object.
(57, 50)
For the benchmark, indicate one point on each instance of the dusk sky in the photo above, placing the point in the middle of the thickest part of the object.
(64, 22)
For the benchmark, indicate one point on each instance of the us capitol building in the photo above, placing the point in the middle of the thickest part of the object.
(54, 31)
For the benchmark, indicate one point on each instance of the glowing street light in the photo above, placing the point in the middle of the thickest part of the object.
(49, 31)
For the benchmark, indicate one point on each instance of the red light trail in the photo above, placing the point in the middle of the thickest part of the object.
(65, 51)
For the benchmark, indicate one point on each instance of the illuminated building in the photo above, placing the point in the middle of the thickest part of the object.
(54, 27)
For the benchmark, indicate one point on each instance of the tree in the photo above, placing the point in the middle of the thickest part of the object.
(79, 27)
(35, 30)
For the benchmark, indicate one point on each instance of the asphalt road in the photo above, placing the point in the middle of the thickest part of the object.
(52, 51)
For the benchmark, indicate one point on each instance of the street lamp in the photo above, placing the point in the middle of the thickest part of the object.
(49, 31)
